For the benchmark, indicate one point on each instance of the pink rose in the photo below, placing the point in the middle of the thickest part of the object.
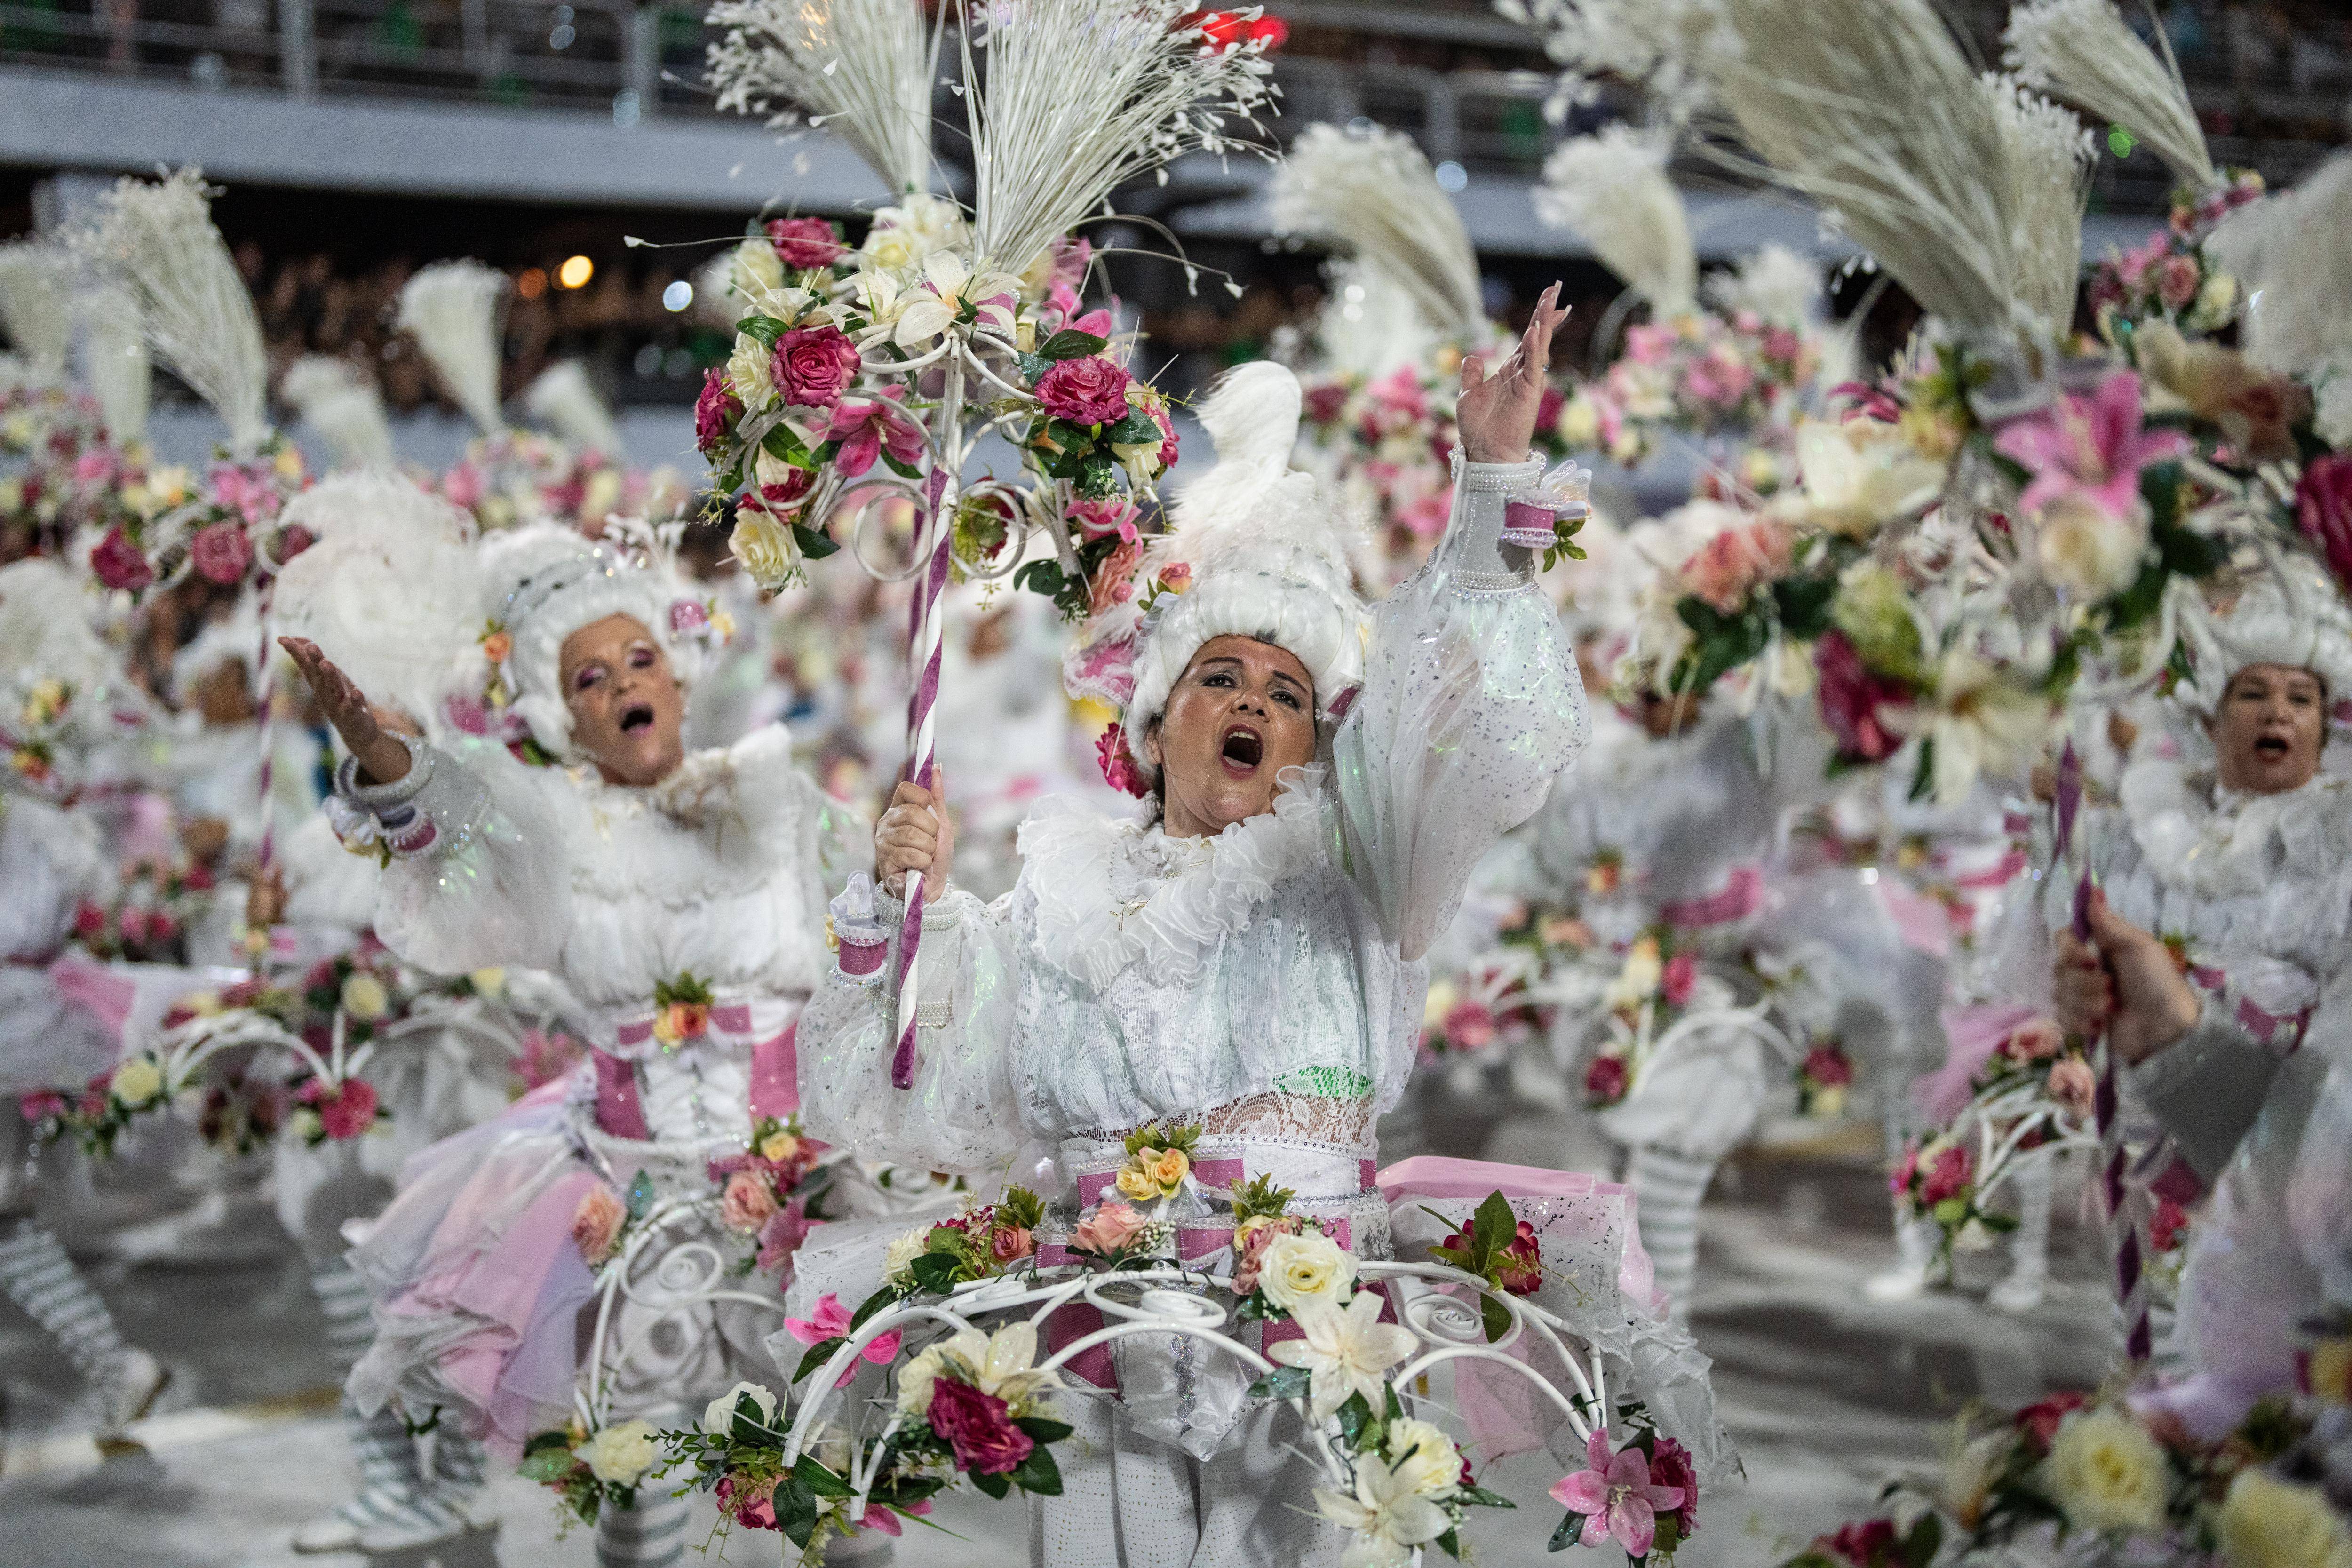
(1678, 979)
(345, 1111)
(2039, 1422)
(751, 1504)
(1469, 1024)
(714, 411)
(1326, 402)
(2165, 1226)
(40, 1104)
(784, 497)
(2034, 1040)
(1250, 1256)
(1091, 390)
(1828, 1065)
(1850, 699)
(748, 1202)
(1604, 1081)
(1102, 519)
(979, 1427)
(1731, 565)
(1119, 768)
(781, 1235)
(1167, 438)
(2178, 280)
(1869, 1544)
(596, 1223)
(463, 486)
(221, 553)
(1010, 1244)
(1520, 1269)
(1905, 1169)
(1948, 1176)
(1671, 1466)
(2323, 510)
(120, 563)
(804, 242)
(2073, 1085)
(1110, 1230)
(688, 615)
(813, 366)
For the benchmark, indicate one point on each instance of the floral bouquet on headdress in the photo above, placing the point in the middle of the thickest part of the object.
(227, 532)
(2171, 278)
(524, 476)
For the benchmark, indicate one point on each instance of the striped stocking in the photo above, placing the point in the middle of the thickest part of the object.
(1668, 1187)
(650, 1535)
(392, 1505)
(36, 1274)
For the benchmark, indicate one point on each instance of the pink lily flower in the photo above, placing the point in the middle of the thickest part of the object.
(832, 1322)
(1616, 1498)
(867, 426)
(2092, 447)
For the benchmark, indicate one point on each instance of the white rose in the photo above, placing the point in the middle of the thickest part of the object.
(718, 1415)
(2107, 1473)
(138, 1081)
(915, 1379)
(2087, 550)
(757, 270)
(2266, 1523)
(2215, 302)
(1424, 1457)
(747, 371)
(902, 1253)
(1297, 1269)
(364, 998)
(765, 547)
(619, 1455)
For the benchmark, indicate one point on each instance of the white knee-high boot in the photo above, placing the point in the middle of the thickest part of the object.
(650, 1535)
(36, 1274)
(1669, 1187)
(2028, 1284)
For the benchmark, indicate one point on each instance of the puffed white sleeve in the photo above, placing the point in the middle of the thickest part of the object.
(1471, 708)
(476, 871)
(960, 1115)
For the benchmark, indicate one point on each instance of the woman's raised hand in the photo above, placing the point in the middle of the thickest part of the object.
(365, 729)
(2123, 984)
(916, 834)
(1496, 413)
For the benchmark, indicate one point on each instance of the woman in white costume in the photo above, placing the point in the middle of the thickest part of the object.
(1249, 961)
(636, 874)
(2239, 865)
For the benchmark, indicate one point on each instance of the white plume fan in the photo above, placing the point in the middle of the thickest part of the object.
(114, 360)
(333, 399)
(451, 308)
(1372, 192)
(157, 240)
(568, 402)
(34, 278)
(1775, 283)
(1657, 43)
(2289, 252)
(862, 70)
(1613, 189)
(2081, 51)
(390, 589)
(1370, 326)
(2050, 161)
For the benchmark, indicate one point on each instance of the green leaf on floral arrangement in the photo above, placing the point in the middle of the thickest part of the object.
(813, 545)
(547, 1466)
(1038, 1475)
(641, 1196)
(1999, 1224)
(1021, 1207)
(1804, 606)
(994, 1486)
(781, 443)
(904, 470)
(750, 1426)
(881, 1301)
(1927, 1538)
(1494, 1317)
(1570, 1532)
(1040, 576)
(1282, 1383)
(935, 1271)
(1132, 431)
(1479, 1497)
(1033, 367)
(1043, 1429)
(1071, 344)
(1669, 1535)
(819, 1477)
(1923, 777)
(540, 1442)
(1354, 1417)
(1496, 1226)
(795, 1505)
(1395, 1408)
(818, 1354)
(1098, 477)
(1450, 1544)
(766, 329)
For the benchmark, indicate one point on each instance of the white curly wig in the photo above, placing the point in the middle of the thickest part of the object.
(2295, 617)
(544, 582)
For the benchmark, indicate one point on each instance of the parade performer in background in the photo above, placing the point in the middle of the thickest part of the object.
(681, 901)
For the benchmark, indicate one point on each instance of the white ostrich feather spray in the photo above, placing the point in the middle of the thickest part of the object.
(860, 68)
(1776, 283)
(1869, 107)
(114, 361)
(348, 412)
(158, 242)
(2289, 252)
(569, 403)
(1612, 188)
(2050, 161)
(34, 278)
(2081, 51)
(451, 308)
(1372, 192)
(1369, 324)
(1081, 96)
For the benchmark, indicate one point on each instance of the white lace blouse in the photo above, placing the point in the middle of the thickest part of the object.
(1266, 982)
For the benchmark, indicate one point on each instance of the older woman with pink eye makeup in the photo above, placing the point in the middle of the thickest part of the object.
(1243, 957)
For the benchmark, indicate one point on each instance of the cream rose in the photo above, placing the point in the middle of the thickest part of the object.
(902, 1253)
(2087, 550)
(619, 1455)
(1297, 1269)
(1424, 1457)
(2107, 1473)
(758, 269)
(764, 546)
(364, 998)
(718, 1415)
(2266, 1523)
(747, 373)
(137, 1081)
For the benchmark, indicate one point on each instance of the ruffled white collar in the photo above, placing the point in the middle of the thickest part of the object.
(1112, 892)
(2198, 835)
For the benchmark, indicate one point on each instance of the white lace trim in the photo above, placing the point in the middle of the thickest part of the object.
(2223, 843)
(1112, 892)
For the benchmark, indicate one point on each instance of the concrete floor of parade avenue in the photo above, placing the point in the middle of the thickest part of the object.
(1826, 1393)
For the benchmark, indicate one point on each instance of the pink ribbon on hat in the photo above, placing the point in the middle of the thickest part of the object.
(1738, 899)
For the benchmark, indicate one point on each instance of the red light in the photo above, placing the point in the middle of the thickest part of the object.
(1224, 28)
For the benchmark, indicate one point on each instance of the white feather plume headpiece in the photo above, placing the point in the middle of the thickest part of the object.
(114, 360)
(1265, 550)
(1775, 283)
(2081, 51)
(1371, 191)
(348, 412)
(860, 68)
(2295, 616)
(35, 276)
(1612, 188)
(2050, 161)
(568, 402)
(159, 243)
(451, 308)
(2289, 252)
(45, 625)
(1369, 325)
(389, 588)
